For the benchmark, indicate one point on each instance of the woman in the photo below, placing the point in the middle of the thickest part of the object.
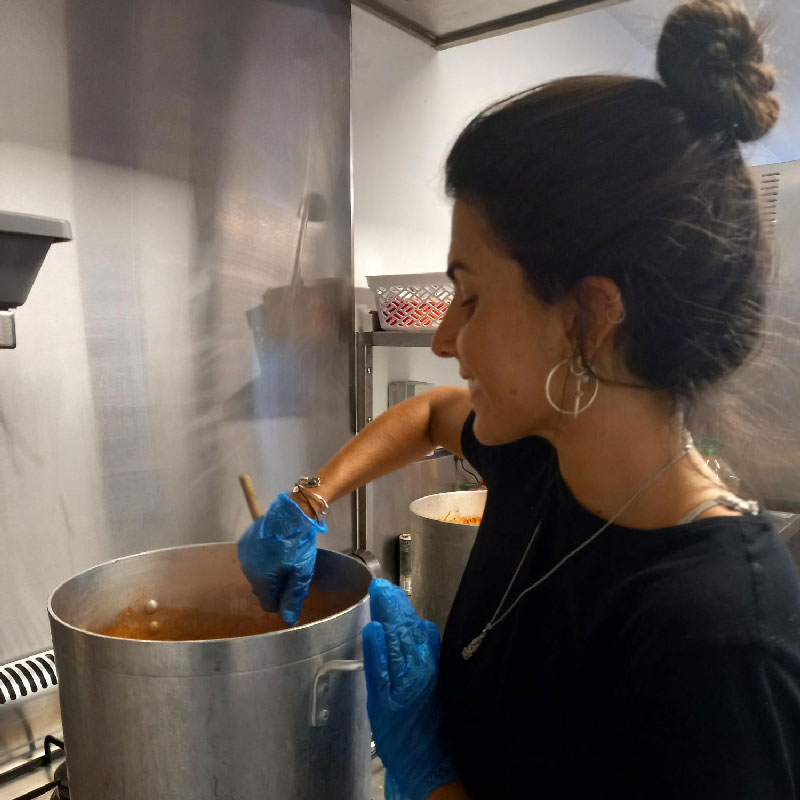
(625, 627)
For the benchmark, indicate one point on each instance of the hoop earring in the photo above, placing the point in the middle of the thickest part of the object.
(578, 369)
(621, 317)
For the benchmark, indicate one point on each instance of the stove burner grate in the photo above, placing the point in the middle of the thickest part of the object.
(50, 743)
(60, 777)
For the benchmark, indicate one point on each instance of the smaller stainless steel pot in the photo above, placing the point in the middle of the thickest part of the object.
(440, 549)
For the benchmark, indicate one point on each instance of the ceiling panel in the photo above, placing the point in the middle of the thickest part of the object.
(447, 23)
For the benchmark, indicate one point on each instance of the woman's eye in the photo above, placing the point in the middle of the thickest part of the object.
(468, 302)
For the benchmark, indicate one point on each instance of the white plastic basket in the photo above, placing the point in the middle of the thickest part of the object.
(409, 302)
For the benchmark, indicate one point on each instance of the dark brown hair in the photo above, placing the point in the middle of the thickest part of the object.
(641, 181)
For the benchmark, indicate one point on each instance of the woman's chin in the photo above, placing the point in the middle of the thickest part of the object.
(488, 432)
(493, 429)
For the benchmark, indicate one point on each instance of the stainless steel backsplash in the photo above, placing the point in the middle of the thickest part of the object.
(756, 414)
(169, 348)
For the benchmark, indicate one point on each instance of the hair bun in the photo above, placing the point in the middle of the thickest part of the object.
(711, 58)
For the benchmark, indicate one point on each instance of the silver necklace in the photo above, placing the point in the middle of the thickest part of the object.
(473, 646)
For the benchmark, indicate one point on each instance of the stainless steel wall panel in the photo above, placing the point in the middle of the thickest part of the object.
(168, 348)
(755, 414)
(767, 392)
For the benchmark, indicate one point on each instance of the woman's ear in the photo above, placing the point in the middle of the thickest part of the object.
(599, 310)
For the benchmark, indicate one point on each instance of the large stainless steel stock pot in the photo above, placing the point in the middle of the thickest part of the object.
(276, 715)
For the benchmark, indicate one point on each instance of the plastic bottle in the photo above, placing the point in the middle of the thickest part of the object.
(405, 556)
(711, 449)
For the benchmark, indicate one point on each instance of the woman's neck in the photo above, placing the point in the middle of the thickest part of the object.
(608, 454)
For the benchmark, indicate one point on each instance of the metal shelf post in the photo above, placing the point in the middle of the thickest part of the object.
(364, 342)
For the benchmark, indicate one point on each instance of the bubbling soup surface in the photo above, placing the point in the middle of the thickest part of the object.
(169, 624)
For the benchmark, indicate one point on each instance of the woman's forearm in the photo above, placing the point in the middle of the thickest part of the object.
(403, 434)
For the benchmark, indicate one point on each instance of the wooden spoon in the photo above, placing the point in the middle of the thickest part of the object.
(250, 496)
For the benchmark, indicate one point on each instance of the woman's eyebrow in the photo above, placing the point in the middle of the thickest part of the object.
(455, 265)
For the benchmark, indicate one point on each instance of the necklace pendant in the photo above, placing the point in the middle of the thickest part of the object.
(473, 646)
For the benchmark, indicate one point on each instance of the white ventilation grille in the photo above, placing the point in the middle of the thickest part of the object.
(768, 195)
(27, 676)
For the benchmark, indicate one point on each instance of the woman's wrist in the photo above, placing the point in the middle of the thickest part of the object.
(310, 505)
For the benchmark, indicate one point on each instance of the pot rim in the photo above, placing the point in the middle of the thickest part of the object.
(455, 496)
(150, 642)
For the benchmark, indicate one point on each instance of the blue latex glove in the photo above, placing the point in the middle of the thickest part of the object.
(277, 554)
(401, 663)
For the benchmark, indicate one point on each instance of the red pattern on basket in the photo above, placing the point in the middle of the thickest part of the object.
(421, 307)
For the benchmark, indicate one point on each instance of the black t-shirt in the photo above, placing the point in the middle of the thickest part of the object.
(654, 664)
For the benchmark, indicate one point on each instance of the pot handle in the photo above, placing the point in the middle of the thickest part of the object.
(319, 705)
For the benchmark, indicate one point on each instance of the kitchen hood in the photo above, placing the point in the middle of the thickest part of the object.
(24, 242)
(448, 23)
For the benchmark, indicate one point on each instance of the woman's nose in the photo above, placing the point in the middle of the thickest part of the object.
(444, 340)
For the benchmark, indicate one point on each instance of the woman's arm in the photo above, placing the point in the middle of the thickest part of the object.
(401, 669)
(400, 436)
(277, 552)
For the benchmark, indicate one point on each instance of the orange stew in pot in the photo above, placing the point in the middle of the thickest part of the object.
(185, 624)
(462, 520)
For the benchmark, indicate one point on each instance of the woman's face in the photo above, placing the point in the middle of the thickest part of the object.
(505, 339)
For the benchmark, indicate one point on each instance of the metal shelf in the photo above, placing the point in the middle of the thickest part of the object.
(365, 341)
(398, 338)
